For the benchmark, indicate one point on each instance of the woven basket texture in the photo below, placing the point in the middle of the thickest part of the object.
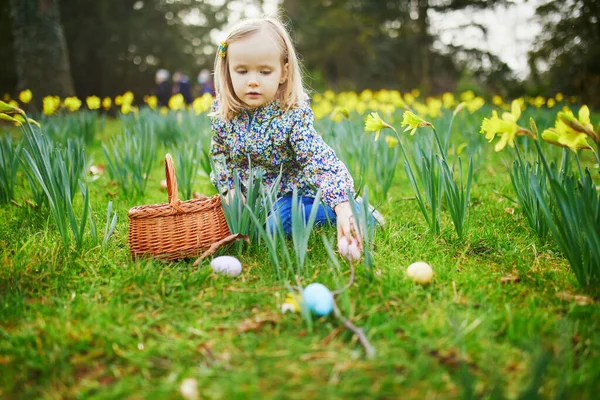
(177, 229)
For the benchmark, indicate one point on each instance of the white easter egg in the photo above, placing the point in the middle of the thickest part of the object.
(227, 265)
(420, 272)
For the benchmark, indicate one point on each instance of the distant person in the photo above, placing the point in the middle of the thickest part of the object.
(163, 87)
(206, 83)
(181, 85)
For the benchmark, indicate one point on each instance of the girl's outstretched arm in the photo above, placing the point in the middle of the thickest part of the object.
(323, 169)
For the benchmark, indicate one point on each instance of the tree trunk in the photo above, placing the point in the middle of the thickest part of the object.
(41, 56)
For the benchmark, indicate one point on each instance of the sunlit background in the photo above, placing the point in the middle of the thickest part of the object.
(511, 48)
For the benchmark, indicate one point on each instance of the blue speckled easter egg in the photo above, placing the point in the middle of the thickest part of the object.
(318, 299)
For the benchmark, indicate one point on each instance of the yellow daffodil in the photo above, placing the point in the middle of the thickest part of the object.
(396, 99)
(475, 104)
(8, 118)
(551, 102)
(571, 140)
(415, 92)
(128, 97)
(572, 132)
(21, 120)
(409, 99)
(50, 104)
(6, 97)
(413, 122)
(125, 108)
(25, 96)
(317, 98)
(497, 101)
(373, 105)
(290, 303)
(320, 110)
(366, 95)
(434, 107)
(559, 97)
(338, 113)
(13, 103)
(374, 123)
(152, 101)
(329, 95)
(391, 141)
(203, 103)
(448, 100)
(164, 110)
(507, 126)
(72, 103)
(467, 96)
(106, 103)
(582, 124)
(177, 102)
(383, 96)
(92, 102)
(119, 100)
(420, 108)
(361, 107)
(538, 102)
(9, 108)
(388, 110)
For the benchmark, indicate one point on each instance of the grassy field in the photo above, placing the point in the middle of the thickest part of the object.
(496, 322)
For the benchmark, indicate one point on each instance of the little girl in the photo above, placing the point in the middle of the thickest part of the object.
(261, 114)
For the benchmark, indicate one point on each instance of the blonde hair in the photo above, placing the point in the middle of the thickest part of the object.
(289, 94)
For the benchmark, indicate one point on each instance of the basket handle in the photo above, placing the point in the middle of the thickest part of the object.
(171, 181)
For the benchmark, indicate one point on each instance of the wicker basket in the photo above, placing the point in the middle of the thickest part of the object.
(177, 229)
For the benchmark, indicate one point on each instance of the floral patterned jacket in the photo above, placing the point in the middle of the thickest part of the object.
(273, 140)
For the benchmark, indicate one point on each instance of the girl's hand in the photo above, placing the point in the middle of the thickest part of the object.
(346, 226)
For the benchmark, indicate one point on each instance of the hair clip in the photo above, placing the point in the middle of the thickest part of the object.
(222, 49)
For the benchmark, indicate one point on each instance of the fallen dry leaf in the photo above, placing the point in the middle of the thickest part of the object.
(451, 358)
(256, 323)
(509, 210)
(510, 279)
(332, 335)
(319, 355)
(578, 299)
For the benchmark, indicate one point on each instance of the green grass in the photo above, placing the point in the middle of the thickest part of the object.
(96, 324)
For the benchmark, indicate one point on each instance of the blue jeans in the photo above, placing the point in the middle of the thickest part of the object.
(283, 210)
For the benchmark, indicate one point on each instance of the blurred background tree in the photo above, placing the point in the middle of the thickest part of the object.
(566, 55)
(352, 45)
(117, 45)
(40, 53)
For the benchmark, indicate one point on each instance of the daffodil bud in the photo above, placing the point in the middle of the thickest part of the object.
(572, 122)
(6, 108)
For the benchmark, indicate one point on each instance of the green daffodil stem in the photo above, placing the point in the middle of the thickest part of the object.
(400, 143)
(597, 153)
(437, 139)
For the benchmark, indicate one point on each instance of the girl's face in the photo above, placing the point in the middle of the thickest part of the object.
(256, 68)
